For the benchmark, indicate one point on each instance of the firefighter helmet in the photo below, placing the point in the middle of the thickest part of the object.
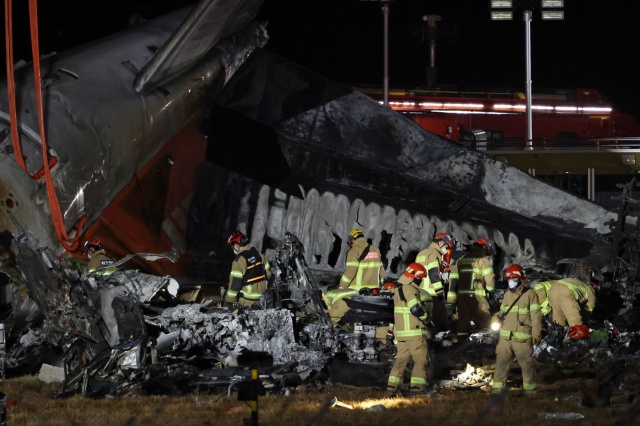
(515, 272)
(237, 238)
(443, 236)
(355, 234)
(579, 331)
(91, 243)
(388, 286)
(483, 242)
(415, 270)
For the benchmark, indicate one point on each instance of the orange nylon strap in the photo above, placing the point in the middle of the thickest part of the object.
(67, 242)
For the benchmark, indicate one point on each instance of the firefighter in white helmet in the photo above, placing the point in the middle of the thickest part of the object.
(519, 323)
(411, 313)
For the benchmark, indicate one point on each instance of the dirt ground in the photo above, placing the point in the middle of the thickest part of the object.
(31, 402)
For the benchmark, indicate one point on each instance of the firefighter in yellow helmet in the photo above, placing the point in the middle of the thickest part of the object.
(432, 260)
(520, 325)
(412, 308)
(249, 272)
(363, 270)
(471, 290)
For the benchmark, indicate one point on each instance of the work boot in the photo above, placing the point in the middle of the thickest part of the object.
(393, 392)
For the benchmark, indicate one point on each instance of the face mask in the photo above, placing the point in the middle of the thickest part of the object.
(513, 284)
(444, 249)
(235, 251)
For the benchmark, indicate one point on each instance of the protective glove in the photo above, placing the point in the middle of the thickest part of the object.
(389, 338)
(450, 309)
(490, 295)
(440, 296)
(535, 340)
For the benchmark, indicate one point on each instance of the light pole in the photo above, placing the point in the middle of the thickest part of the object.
(502, 10)
(385, 18)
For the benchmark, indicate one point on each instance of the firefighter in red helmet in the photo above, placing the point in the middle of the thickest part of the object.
(519, 323)
(249, 272)
(475, 282)
(99, 260)
(411, 313)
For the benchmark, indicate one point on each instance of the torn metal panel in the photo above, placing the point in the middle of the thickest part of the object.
(205, 25)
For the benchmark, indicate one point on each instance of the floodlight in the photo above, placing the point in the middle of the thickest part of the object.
(501, 4)
(553, 4)
(501, 16)
(552, 15)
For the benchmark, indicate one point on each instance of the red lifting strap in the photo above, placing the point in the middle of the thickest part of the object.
(70, 244)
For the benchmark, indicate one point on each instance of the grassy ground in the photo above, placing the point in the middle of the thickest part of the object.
(31, 403)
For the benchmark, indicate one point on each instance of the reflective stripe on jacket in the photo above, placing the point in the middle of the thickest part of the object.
(406, 325)
(542, 290)
(524, 320)
(475, 274)
(249, 273)
(584, 293)
(431, 259)
(100, 259)
(365, 273)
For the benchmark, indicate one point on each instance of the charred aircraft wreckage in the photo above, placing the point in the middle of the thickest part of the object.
(167, 136)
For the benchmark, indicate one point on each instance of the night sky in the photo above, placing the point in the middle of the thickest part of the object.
(596, 46)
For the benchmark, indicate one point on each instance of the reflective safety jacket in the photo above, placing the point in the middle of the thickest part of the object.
(524, 320)
(475, 276)
(100, 259)
(431, 259)
(363, 266)
(542, 290)
(584, 293)
(407, 326)
(249, 273)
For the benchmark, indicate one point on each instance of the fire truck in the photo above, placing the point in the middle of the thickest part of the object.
(580, 142)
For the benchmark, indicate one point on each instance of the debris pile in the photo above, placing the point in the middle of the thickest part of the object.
(472, 377)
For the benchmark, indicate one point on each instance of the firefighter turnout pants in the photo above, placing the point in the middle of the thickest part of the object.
(505, 352)
(564, 308)
(472, 308)
(417, 350)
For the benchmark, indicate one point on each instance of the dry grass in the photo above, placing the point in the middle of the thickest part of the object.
(34, 405)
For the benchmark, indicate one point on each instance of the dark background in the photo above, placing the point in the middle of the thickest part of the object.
(596, 46)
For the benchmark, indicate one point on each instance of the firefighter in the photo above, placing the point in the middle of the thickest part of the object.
(432, 259)
(363, 270)
(411, 311)
(520, 325)
(98, 258)
(474, 284)
(249, 272)
(571, 301)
